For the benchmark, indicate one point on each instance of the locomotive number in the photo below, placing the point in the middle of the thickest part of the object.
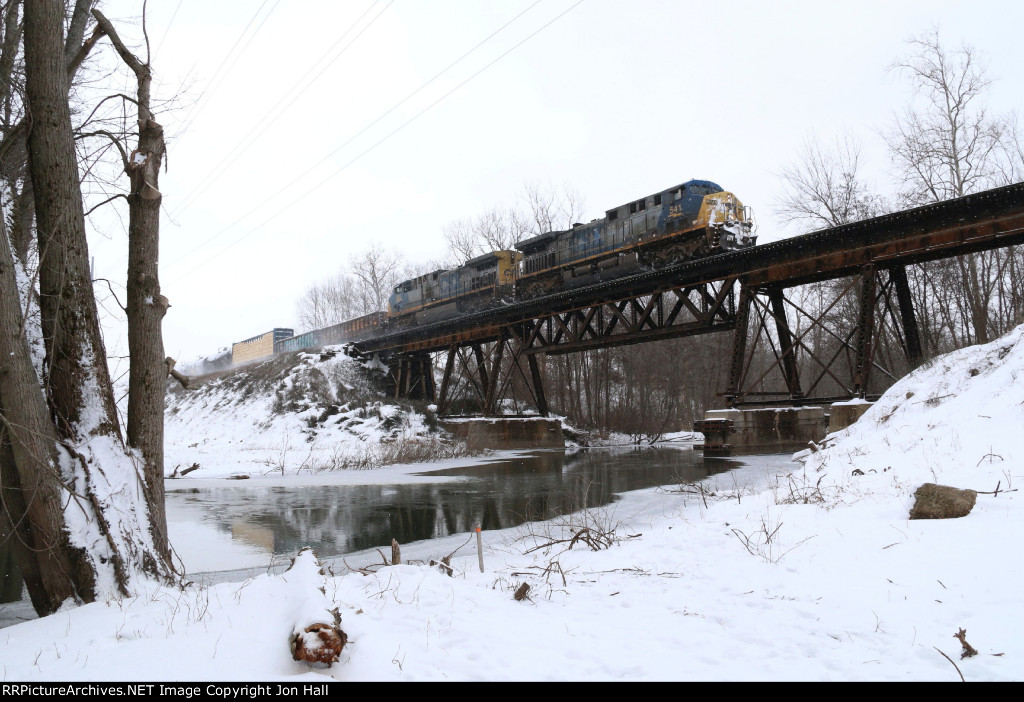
(675, 211)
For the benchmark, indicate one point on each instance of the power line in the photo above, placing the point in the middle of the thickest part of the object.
(198, 106)
(419, 114)
(269, 118)
(365, 129)
(170, 24)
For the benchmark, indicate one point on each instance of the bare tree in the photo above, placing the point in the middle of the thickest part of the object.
(329, 302)
(540, 209)
(824, 187)
(146, 306)
(463, 242)
(549, 208)
(376, 271)
(948, 145)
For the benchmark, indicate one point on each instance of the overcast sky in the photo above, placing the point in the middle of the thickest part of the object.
(306, 130)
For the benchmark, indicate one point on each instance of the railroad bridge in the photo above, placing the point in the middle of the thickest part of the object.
(747, 293)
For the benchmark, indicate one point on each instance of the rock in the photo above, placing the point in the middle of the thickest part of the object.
(933, 501)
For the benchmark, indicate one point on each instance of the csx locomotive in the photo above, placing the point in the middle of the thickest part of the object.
(695, 219)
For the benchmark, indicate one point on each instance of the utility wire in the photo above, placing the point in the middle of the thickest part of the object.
(269, 118)
(200, 104)
(365, 129)
(419, 114)
(168, 29)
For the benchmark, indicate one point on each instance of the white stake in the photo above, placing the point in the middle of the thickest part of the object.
(480, 548)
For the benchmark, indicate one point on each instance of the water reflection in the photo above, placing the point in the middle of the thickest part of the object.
(336, 520)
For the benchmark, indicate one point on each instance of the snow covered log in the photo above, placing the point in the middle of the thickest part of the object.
(316, 635)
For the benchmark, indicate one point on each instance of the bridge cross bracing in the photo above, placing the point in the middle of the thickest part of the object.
(746, 292)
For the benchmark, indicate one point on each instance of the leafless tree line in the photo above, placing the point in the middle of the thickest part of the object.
(364, 284)
(359, 288)
(945, 144)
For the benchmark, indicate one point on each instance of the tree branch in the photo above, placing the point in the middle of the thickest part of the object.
(183, 379)
(109, 199)
(114, 140)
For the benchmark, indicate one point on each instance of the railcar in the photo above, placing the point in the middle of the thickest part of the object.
(694, 219)
(356, 329)
(480, 283)
(365, 327)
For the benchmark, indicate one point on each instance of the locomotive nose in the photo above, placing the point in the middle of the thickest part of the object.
(732, 220)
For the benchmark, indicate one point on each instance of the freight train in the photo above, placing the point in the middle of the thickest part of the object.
(694, 219)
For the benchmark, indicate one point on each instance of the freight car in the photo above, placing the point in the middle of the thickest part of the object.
(352, 330)
(694, 219)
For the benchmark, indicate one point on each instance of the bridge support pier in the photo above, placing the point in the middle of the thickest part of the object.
(411, 376)
(841, 339)
(786, 345)
(911, 337)
(735, 432)
(484, 374)
(863, 354)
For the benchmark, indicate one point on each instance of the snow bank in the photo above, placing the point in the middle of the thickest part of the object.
(294, 413)
(956, 421)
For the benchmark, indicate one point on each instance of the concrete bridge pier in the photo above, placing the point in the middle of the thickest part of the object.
(502, 433)
(746, 432)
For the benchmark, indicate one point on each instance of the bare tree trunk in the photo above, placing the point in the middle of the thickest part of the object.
(74, 347)
(147, 376)
(31, 490)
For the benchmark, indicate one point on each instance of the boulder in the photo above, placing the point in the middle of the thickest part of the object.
(933, 501)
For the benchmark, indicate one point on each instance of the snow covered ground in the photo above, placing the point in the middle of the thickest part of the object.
(295, 414)
(807, 570)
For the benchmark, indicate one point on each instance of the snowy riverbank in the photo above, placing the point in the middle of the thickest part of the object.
(779, 571)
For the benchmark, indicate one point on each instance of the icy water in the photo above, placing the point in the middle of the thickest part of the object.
(340, 519)
(228, 528)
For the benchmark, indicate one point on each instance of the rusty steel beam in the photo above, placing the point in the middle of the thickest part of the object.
(739, 345)
(491, 401)
(449, 366)
(837, 259)
(631, 321)
(786, 345)
(630, 338)
(863, 347)
(911, 336)
(538, 385)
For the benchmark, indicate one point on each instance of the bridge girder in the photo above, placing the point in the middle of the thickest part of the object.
(865, 260)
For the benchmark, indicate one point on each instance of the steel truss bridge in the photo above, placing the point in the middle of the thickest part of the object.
(752, 293)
